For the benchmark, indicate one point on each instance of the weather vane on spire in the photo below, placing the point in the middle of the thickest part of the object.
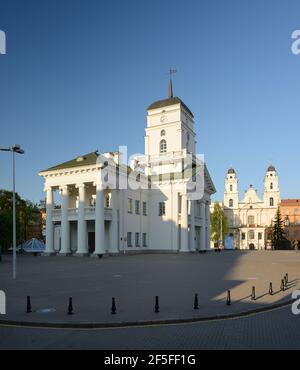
(171, 72)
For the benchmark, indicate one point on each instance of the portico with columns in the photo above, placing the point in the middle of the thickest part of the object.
(92, 209)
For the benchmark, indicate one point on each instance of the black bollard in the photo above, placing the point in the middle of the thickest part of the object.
(28, 308)
(271, 289)
(284, 281)
(113, 306)
(196, 304)
(70, 307)
(282, 285)
(253, 297)
(287, 278)
(156, 307)
(228, 300)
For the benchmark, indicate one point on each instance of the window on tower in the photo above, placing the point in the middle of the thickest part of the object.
(163, 146)
(271, 186)
(271, 202)
(230, 203)
(162, 133)
(107, 201)
(230, 187)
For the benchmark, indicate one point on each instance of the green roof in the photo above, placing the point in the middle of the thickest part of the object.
(82, 160)
(167, 102)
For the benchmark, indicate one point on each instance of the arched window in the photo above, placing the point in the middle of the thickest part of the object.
(162, 133)
(271, 202)
(163, 146)
(271, 186)
(230, 187)
(231, 203)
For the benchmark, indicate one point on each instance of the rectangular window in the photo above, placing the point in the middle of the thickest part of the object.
(144, 208)
(129, 205)
(251, 235)
(259, 236)
(129, 241)
(137, 207)
(251, 220)
(161, 208)
(243, 236)
(144, 240)
(137, 239)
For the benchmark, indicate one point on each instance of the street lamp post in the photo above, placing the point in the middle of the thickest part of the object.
(14, 149)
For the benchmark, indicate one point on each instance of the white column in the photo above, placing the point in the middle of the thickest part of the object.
(207, 226)
(184, 225)
(203, 227)
(49, 222)
(122, 220)
(113, 227)
(65, 226)
(192, 226)
(99, 222)
(82, 247)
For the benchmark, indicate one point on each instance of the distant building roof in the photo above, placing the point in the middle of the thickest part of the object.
(231, 170)
(169, 101)
(290, 202)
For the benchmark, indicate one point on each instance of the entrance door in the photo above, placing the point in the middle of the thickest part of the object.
(91, 241)
(251, 247)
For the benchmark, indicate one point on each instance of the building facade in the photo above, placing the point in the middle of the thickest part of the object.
(249, 219)
(106, 207)
(290, 213)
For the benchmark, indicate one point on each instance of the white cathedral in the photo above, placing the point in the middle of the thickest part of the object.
(249, 218)
(100, 214)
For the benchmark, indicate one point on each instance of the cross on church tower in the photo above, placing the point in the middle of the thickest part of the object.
(171, 72)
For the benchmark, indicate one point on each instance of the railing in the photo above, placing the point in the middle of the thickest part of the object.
(89, 213)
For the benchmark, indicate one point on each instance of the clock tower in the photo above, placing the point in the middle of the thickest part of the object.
(170, 127)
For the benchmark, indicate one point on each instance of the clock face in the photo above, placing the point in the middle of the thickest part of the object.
(163, 118)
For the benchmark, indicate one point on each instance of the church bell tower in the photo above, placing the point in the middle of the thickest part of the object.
(231, 194)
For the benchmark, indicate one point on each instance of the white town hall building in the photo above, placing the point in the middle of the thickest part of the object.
(108, 207)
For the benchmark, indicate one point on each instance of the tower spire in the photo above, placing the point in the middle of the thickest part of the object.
(170, 91)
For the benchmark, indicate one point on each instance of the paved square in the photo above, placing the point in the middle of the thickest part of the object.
(135, 280)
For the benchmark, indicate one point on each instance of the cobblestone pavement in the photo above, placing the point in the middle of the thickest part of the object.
(136, 280)
(277, 329)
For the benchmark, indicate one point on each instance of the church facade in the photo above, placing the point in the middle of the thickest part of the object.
(249, 218)
(158, 203)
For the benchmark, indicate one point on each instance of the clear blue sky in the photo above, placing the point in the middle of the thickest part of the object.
(79, 74)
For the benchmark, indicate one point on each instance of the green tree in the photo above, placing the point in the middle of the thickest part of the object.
(278, 236)
(28, 219)
(218, 224)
